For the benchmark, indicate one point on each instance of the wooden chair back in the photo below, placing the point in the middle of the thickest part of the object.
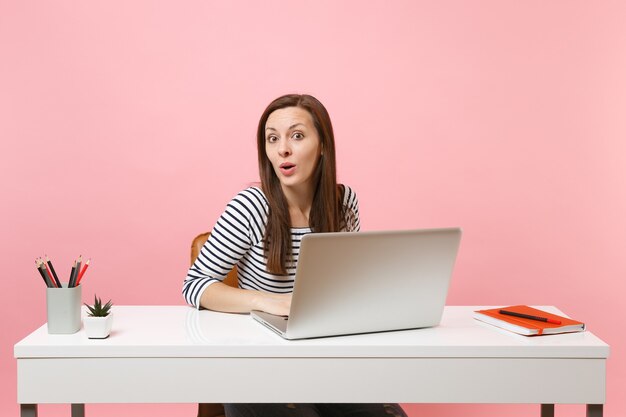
(196, 246)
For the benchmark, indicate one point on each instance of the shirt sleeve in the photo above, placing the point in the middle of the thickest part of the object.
(351, 205)
(230, 239)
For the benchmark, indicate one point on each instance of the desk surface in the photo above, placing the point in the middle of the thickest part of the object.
(182, 331)
(179, 354)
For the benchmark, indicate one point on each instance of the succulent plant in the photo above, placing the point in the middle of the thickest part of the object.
(99, 310)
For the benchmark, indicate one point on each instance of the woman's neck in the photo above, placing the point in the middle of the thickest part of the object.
(299, 202)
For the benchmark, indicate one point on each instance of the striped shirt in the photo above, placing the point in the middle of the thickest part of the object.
(238, 238)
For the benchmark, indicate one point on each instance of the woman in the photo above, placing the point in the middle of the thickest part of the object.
(261, 229)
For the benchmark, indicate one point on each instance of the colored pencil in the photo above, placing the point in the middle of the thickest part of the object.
(78, 265)
(69, 284)
(41, 272)
(46, 275)
(54, 274)
(80, 276)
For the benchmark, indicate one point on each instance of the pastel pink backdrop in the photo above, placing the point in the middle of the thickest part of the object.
(126, 127)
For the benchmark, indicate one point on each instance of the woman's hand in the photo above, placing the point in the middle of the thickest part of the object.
(278, 304)
(221, 297)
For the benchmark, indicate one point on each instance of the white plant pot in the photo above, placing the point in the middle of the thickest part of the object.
(98, 327)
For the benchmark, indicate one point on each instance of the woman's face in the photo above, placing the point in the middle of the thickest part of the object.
(292, 146)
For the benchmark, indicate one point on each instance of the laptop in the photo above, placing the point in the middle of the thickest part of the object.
(350, 283)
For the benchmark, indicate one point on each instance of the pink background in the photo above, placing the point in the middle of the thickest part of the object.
(125, 128)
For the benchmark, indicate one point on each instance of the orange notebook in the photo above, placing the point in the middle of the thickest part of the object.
(527, 326)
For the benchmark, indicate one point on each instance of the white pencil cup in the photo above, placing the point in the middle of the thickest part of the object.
(63, 309)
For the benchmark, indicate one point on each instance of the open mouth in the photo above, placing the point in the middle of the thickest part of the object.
(287, 168)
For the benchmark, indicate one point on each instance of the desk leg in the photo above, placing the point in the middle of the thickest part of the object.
(594, 410)
(28, 410)
(547, 410)
(78, 410)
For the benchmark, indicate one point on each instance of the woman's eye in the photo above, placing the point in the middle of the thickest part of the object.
(272, 139)
(298, 135)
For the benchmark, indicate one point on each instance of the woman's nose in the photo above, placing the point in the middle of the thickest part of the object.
(283, 148)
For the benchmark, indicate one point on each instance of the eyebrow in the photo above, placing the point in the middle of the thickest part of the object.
(290, 127)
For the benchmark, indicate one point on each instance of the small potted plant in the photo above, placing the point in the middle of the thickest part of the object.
(99, 319)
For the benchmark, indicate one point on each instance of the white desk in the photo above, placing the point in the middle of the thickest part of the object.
(172, 354)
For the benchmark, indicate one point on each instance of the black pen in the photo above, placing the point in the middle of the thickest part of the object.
(528, 316)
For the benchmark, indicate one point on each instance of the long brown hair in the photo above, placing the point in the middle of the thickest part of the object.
(327, 211)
